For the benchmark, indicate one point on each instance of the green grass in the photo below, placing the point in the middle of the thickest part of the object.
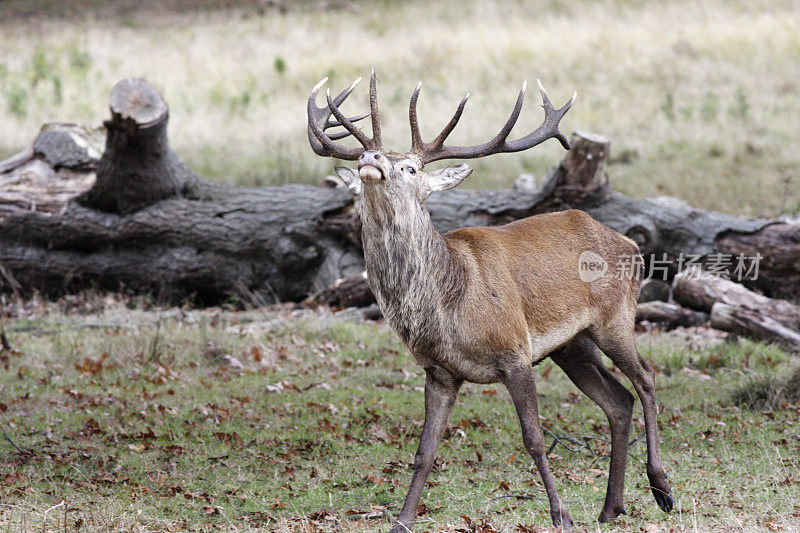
(148, 428)
(698, 98)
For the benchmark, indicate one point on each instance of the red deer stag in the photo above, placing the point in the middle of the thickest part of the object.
(485, 304)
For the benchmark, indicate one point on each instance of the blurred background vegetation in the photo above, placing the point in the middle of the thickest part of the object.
(700, 99)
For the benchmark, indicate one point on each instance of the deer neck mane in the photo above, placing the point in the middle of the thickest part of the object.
(409, 267)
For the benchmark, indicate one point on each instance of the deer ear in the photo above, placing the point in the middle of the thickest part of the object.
(350, 178)
(447, 178)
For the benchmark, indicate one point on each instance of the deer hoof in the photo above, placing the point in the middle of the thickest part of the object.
(562, 519)
(400, 527)
(660, 487)
(663, 499)
(608, 516)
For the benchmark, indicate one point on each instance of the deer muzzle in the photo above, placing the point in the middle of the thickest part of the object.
(369, 166)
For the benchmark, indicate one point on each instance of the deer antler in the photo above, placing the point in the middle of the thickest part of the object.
(319, 120)
(436, 150)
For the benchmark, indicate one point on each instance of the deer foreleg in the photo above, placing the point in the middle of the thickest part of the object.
(441, 388)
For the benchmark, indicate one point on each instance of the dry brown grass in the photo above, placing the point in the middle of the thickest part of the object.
(699, 98)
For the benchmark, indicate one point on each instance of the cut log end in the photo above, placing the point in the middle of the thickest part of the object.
(136, 100)
(586, 161)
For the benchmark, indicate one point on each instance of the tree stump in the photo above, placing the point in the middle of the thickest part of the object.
(138, 168)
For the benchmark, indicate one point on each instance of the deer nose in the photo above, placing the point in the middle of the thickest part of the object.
(370, 157)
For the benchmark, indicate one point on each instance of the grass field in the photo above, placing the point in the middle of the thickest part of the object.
(148, 425)
(118, 416)
(699, 98)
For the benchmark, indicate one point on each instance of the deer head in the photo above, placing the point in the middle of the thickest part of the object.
(401, 175)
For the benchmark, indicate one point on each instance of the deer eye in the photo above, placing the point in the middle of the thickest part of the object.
(412, 170)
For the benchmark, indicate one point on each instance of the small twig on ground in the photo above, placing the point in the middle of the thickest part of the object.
(556, 441)
(601, 439)
(517, 496)
(56, 506)
(582, 441)
(20, 450)
(634, 441)
(586, 441)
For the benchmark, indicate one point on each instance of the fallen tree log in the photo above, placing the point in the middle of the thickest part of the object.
(352, 291)
(670, 315)
(147, 223)
(700, 290)
(754, 324)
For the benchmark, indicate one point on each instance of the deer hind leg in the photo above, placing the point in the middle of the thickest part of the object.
(619, 345)
(520, 384)
(582, 361)
(441, 389)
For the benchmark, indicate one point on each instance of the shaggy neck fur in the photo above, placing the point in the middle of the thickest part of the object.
(410, 268)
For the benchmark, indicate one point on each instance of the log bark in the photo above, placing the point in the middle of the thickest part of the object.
(653, 290)
(670, 315)
(148, 223)
(754, 324)
(701, 290)
(779, 246)
(352, 291)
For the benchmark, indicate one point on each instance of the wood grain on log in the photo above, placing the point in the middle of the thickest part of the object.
(262, 245)
(352, 291)
(754, 324)
(671, 315)
(700, 290)
(16, 160)
(778, 244)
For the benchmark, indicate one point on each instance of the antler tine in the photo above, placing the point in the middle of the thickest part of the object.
(549, 127)
(416, 138)
(319, 120)
(334, 123)
(337, 136)
(417, 145)
(373, 110)
(436, 150)
(349, 126)
(438, 142)
(501, 137)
